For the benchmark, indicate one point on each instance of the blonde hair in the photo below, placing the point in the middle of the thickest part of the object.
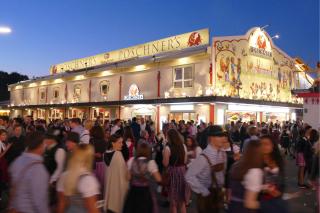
(80, 163)
(88, 124)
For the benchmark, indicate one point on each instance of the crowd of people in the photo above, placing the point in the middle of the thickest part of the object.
(80, 166)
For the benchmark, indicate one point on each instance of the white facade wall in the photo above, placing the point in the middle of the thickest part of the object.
(16, 96)
(203, 112)
(51, 88)
(311, 114)
(146, 80)
(84, 95)
(201, 80)
(113, 94)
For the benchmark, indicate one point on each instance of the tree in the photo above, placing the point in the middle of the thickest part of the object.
(6, 79)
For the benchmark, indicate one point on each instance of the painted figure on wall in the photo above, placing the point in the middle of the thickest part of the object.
(222, 68)
(233, 70)
(226, 74)
(290, 79)
(284, 79)
(239, 70)
(278, 90)
(270, 89)
(279, 75)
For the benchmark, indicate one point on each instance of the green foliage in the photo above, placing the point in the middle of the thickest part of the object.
(6, 79)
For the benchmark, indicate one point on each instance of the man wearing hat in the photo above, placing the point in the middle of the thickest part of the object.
(54, 160)
(206, 173)
(54, 156)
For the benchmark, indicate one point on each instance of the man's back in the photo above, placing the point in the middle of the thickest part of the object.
(30, 184)
(136, 130)
(16, 149)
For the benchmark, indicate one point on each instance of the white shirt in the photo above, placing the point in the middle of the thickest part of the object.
(152, 166)
(60, 158)
(85, 137)
(143, 126)
(236, 149)
(114, 129)
(253, 180)
(2, 147)
(193, 130)
(88, 185)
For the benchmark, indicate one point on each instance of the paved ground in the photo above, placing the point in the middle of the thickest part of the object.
(299, 200)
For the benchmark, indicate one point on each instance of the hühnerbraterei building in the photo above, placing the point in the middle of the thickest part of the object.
(182, 77)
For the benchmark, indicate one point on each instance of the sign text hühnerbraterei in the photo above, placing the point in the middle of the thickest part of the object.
(178, 42)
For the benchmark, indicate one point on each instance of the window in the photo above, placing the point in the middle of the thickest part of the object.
(77, 90)
(104, 88)
(42, 95)
(183, 77)
(56, 93)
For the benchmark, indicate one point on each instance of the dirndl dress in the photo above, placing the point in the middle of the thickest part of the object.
(179, 190)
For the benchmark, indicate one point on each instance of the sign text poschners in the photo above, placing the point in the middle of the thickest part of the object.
(260, 52)
(178, 42)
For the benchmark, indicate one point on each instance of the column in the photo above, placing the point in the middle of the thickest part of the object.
(211, 110)
(158, 118)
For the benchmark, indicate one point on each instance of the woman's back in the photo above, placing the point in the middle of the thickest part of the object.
(87, 186)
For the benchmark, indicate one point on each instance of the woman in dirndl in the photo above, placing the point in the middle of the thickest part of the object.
(142, 169)
(175, 159)
(100, 146)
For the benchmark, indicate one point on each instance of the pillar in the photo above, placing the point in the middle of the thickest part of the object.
(158, 118)
(261, 114)
(211, 111)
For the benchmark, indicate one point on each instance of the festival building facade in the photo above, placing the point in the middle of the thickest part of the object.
(180, 77)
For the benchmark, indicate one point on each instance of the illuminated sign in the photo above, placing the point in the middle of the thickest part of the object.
(259, 44)
(133, 93)
(182, 107)
(178, 42)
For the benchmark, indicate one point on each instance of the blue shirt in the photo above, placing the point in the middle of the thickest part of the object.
(31, 187)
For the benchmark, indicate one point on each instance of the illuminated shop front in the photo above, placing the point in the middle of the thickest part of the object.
(181, 77)
(259, 113)
(4, 112)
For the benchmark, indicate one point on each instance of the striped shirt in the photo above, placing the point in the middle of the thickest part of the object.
(198, 175)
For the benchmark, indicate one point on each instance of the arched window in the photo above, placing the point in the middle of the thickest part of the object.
(104, 88)
(56, 92)
(42, 94)
(77, 90)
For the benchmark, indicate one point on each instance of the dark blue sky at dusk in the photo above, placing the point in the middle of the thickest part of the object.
(49, 32)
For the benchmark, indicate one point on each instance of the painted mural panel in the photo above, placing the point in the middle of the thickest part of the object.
(251, 67)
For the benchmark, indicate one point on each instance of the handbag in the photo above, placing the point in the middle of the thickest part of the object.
(216, 198)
